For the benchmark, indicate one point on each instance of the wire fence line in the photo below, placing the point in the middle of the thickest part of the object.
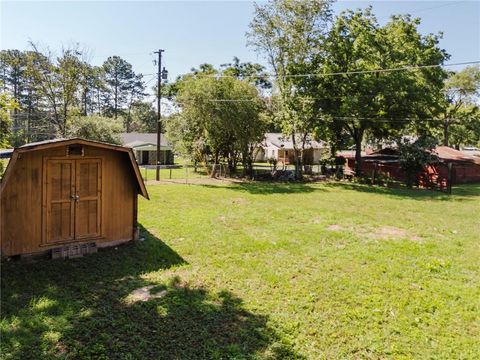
(188, 171)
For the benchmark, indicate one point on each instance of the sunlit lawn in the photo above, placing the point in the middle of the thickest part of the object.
(267, 271)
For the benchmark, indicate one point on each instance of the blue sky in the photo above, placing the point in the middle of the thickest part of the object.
(196, 32)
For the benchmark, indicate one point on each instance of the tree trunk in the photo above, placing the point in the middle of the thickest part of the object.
(250, 161)
(214, 168)
(129, 119)
(116, 97)
(358, 152)
(56, 116)
(333, 150)
(446, 127)
(99, 107)
(231, 162)
(297, 160)
(65, 113)
(85, 94)
(29, 115)
(247, 160)
(16, 123)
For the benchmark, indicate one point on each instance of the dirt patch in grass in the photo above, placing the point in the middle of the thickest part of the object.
(388, 232)
(239, 201)
(146, 293)
(223, 220)
(335, 227)
(391, 233)
(376, 233)
(416, 238)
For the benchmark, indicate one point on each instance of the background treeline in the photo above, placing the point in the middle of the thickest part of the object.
(327, 82)
(321, 80)
(55, 92)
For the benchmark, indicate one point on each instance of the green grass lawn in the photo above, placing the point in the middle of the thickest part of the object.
(263, 271)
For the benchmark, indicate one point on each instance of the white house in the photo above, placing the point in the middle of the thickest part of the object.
(280, 147)
(144, 146)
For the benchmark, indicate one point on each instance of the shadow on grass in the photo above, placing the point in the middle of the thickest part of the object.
(80, 309)
(459, 193)
(268, 188)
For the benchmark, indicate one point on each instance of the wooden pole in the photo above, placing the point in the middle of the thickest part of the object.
(159, 116)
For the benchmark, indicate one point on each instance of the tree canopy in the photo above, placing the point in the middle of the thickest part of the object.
(361, 100)
(459, 110)
(52, 90)
(345, 79)
(290, 35)
(220, 118)
(96, 128)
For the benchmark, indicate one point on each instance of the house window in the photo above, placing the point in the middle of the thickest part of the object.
(286, 153)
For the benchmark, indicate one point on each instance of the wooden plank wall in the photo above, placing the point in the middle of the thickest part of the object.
(21, 228)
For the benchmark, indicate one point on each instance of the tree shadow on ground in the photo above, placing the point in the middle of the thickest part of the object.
(268, 188)
(459, 193)
(82, 309)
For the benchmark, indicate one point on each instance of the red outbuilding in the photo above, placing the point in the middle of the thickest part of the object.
(465, 168)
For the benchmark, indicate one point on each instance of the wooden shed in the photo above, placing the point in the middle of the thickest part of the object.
(67, 197)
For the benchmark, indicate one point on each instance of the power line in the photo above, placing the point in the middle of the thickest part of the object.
(427, 9)
(124, 54)
(373, 71)
(389, 120)
(380, 93)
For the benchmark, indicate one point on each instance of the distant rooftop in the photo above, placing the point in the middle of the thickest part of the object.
(139, 139)
(281, 141)
(6, 153)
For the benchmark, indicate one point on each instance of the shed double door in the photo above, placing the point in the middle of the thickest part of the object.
(72, 197)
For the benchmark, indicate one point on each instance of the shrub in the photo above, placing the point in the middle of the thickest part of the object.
(414, 156)
(96, 128)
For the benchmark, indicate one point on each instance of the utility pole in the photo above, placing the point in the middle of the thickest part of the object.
(159, 116)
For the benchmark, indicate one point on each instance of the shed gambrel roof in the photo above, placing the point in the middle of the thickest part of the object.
(65, 142)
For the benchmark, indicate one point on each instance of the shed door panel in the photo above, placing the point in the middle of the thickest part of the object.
(60, 206)
(88, 203)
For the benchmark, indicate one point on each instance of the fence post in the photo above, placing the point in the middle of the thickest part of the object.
(170, 173)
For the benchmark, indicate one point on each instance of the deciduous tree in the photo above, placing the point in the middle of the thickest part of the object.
(96, 128)
(220, 116)
(360, 99)
(460, 107)
(290, 34)
(415, 156)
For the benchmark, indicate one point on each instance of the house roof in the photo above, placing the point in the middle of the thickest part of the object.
(279, 140)
(5, 153)
(473, 152)
(349, 154)
(444, 153)
(449, 154)
(386, 151)
(62, 142)
(141, 139)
